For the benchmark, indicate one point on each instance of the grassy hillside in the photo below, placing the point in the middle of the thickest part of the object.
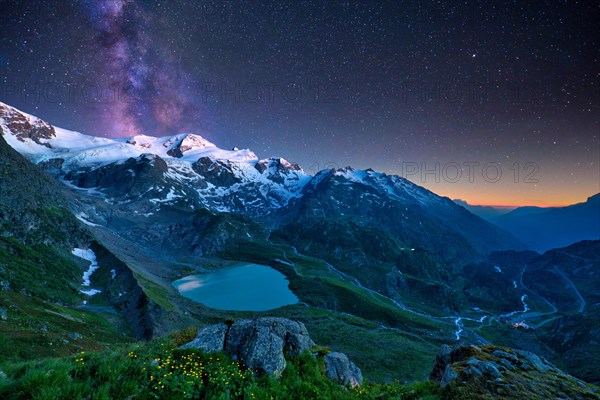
(39, 300)
(161, 371)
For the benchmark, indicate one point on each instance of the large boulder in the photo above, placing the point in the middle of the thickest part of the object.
(490, 372)
(262, 344)
(257, 346)
(341, 370)
(439, 365)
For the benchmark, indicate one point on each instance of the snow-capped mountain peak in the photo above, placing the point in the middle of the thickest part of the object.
(143, 141)
(41, 141)
(26, 127)
(144, 174)
(178, 145)
(186, 164)
(277, 164)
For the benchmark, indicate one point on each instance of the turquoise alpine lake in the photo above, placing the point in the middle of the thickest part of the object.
(243, 287)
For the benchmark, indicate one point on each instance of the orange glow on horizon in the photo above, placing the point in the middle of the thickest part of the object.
(519, 205)
(506, 197)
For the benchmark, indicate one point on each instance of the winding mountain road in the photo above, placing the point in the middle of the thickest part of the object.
(572, 285)
(459, 320)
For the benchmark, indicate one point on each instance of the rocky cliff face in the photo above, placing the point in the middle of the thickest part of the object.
(125, 294)
(490, 372)
(132, 179)
(26, 127)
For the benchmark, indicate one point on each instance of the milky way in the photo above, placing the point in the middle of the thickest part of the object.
(152, 92)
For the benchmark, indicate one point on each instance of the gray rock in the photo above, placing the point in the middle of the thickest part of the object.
(503, 354)
(260, 349)
(448, 376)
(472, 370)
(217, 172)
(507, 364)
(4, 285)
(341, 370)
(262, 343)
(210, 339)
(75, 336)
(486, 367)
(3, 314)
(535, 361)
(52, 165)
(442, 359)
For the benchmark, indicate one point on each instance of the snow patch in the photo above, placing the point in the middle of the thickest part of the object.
(90, 292)
(83, 218)
(87, 254)
(170, 197)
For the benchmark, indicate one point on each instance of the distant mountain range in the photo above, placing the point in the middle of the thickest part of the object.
(485, 212)
(543, 229)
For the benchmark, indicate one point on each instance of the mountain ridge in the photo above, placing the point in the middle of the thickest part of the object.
(190, 171)
(553, 227)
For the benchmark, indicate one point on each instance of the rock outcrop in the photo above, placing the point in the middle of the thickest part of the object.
(145, 318)
(263, 343)
(276, 169)
(26, 128)
(490, 372)
(220, 173)
(341, 370)
(131, 179)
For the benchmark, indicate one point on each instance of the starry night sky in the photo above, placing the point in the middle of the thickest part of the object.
(398, 87)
